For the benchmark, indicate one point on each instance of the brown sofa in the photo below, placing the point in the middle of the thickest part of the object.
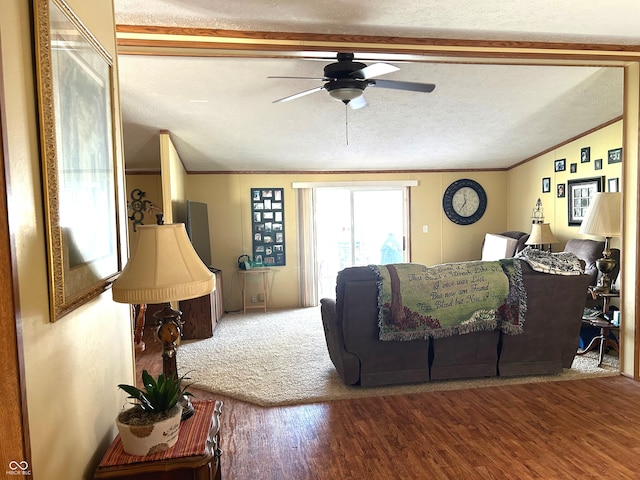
(551, 335)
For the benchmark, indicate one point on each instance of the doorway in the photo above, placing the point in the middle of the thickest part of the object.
(358, 226)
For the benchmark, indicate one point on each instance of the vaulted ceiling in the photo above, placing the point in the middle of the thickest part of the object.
(211, 89)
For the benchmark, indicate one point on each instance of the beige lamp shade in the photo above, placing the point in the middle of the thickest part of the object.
(163, 268)
(541, 235)
(603, 215)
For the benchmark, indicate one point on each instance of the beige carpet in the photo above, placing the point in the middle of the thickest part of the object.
(281, 358)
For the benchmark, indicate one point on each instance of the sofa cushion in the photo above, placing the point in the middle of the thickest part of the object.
(496, 247)
(521, 237)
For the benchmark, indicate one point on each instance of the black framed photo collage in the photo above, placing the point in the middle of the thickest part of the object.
(267, 211)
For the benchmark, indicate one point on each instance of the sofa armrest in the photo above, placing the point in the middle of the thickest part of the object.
(329, 314)
(346, 363)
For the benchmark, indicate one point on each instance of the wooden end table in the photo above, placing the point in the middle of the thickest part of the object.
(196, 455)
(602, 340)
(265, 287)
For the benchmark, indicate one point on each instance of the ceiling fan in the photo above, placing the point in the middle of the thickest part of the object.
(346, 80)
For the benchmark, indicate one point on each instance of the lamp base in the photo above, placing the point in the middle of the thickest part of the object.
(168, 332)
(605, 267)
(603, 288)
(187, 407)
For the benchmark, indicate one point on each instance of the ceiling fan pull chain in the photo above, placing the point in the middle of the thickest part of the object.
(346, 122)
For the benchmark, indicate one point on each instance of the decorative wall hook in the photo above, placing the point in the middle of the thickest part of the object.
(138, 206)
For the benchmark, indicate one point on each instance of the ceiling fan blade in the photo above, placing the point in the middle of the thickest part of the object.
(358, 103)
(298, 95)
(302, 78)
(373, 70)
(412, 86)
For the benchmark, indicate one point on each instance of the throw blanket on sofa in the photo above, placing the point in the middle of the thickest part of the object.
(418, 302)
(562, 263)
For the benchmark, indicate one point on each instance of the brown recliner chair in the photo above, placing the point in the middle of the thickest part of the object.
(589, 251)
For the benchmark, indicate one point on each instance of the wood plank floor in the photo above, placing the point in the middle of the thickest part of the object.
(586, 429)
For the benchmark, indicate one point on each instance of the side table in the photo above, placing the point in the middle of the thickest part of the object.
(196, 455)
(243, 279)
(606, 297)
(602, 340)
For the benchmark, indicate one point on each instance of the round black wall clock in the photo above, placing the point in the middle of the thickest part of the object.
(464, 201)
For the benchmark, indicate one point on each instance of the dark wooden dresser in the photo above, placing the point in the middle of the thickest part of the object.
(200, 315)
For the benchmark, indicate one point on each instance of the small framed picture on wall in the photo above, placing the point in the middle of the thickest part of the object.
(573, 168)
(560, 165)
(614, 156)
(546, 184)
(612, 185)
(597, 164)
(585, 155)
(560, 190)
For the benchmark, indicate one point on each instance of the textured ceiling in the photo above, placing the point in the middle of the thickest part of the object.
(221, 116)
(593, 21)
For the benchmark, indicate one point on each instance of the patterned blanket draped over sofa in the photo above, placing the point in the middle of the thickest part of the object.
(418, 302)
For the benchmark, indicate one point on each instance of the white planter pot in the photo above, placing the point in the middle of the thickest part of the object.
(153, 438)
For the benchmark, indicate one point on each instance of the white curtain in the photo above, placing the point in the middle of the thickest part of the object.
(308, 275)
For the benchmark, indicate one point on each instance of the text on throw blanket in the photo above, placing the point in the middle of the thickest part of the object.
(417, 302)
(469, 286)
(456, 290)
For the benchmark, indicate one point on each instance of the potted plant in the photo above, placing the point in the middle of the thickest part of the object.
(152, 424)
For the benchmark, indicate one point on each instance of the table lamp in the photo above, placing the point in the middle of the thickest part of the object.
(541, 235)
(603, 219)
(164, 268)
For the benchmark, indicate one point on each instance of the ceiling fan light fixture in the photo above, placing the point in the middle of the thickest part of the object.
(345, 90)
(346, 94)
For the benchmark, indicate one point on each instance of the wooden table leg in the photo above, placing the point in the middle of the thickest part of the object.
(138, 312)
(242, 292)
(602, 341)
(604, 332)
(264, 289)
(592, 344)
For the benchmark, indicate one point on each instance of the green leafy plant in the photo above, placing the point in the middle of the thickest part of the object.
(158, 396)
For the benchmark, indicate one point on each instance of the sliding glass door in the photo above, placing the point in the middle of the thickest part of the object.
(358, 226)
